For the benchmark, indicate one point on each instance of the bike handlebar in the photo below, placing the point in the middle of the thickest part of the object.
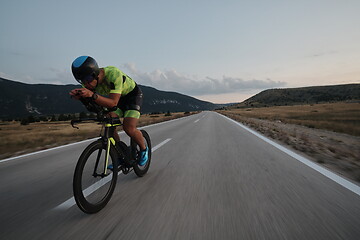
(100, 111)
(107, 120)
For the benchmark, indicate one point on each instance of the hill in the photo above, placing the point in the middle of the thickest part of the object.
(21, 99)
(305, 95)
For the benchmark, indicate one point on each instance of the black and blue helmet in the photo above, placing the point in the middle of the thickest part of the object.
(85, 68)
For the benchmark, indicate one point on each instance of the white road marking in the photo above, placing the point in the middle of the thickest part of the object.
(160, 144)
(336, 178)
(71, 202)
(46, 150)
(197, 121)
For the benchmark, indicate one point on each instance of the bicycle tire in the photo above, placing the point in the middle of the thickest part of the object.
(140, 171)
(81, 190)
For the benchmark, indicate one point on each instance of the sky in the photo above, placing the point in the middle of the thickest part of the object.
(219, 51)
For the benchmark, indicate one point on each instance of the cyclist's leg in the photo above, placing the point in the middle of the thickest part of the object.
(131, 105)
(131, 119)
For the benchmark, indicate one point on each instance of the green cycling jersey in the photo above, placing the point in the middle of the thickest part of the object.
(115, 81)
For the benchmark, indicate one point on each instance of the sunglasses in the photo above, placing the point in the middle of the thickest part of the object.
(88, 79)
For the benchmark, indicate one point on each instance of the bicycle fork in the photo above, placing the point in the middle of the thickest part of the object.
(110, 141)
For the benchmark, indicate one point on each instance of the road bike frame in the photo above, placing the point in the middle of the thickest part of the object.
(109, 124)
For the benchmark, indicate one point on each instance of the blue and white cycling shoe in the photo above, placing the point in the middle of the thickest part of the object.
(144, 157)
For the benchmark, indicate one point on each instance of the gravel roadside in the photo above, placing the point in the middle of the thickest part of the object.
(335, 151)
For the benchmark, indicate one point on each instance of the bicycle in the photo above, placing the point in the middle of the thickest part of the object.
(94, 182)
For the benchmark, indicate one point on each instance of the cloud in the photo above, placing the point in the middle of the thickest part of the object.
(171, 80)
(6, 76)
(322, 54)
(23, 78)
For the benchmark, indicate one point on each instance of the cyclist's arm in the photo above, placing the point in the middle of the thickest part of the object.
(109, 102)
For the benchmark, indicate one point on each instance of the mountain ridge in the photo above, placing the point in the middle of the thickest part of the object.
(22, 99)
(303, 95)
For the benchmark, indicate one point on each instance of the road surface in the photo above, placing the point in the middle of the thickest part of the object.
(209, 179)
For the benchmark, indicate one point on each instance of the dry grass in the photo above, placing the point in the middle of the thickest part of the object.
(338, 117)
(315, 130)
(18, 139)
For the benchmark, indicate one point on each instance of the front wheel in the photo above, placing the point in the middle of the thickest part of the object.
(141, 170)
(93, 183)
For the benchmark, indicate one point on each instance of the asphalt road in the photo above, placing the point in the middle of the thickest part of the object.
(209, 179)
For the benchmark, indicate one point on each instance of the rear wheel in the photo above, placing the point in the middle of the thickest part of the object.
(141, 170)
(93, 183)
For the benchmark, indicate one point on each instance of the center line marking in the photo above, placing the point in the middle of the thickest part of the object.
(196, 121)
(71, 202)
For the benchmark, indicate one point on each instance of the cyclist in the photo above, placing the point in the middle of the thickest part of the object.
(115, 89)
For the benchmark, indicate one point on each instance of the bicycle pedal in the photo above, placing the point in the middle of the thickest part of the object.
(125, 170)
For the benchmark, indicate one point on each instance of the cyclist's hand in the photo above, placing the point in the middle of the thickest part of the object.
(86, 93)
(76, 93)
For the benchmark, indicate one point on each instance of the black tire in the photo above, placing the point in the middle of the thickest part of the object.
(93, 193)
(141, 170)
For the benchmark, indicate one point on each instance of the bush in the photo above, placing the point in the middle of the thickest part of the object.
(62, 117)
(24, 121)
(43, 118)
(31, 119)
(83, 115)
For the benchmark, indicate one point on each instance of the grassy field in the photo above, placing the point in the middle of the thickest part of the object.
(338, 117)
(17, 139)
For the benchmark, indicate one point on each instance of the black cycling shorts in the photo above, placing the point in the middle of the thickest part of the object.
(132, 101)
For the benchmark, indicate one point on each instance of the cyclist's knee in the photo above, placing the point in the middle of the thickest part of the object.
(130, 130)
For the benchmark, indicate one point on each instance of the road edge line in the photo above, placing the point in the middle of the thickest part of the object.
(327, 173)
(83, 141)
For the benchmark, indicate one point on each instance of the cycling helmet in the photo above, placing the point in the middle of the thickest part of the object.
(85, 69)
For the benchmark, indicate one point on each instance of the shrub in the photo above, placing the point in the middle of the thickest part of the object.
(24, 121)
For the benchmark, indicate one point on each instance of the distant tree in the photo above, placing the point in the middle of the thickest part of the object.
(83, 115)
(62, 117)
(71, 116)
(24, 121)
(31, 119)
(53, 118)
(43, 118)
(8, 119)
(92, 115)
